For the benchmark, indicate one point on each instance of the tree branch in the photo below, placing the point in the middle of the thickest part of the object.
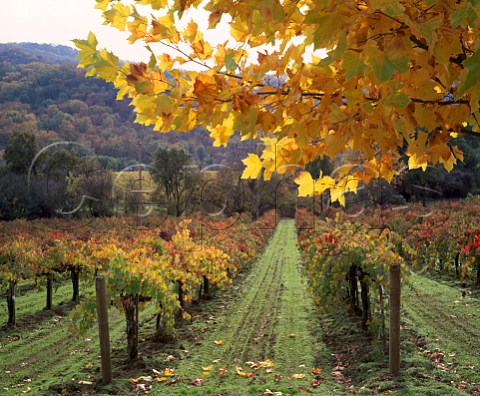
(420, 44)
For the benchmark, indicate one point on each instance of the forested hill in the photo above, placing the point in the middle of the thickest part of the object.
(43, 91)
(22, 53)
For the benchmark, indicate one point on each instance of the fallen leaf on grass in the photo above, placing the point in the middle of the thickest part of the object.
(143, 387)
(470, 366)
(338, 377)
(170, 358)
(437, 357)
(85, 382)
(316, 371)
(219, 342)
(208, 368)
(269, 392)
(277, 378)
(169, 372)
(160, 379)
(316, 382)
(222, 371)
(27, 390)
(198, 382)
(260, 364)
(243, 373)
(298, 376)
(215, 360)
(137, 380)
(174, 380)
(305, 389)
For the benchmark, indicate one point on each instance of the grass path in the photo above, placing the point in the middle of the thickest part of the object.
(272, 318)
(446, 320)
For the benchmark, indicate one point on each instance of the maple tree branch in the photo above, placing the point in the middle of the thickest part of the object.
(436, 79)
(390, 17)
(352, 117)
(311, 110)
(319, 96)
(175, 48)
(420, 44)
(440, 102)
(423, 12)
(378, 35)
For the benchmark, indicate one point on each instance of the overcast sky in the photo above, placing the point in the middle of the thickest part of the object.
(58, 22)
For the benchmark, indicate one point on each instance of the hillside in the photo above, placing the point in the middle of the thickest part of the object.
(41, 90)
(22, 53)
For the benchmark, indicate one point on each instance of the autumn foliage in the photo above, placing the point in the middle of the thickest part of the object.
(168, 266)
(309, 78)
(347, 264)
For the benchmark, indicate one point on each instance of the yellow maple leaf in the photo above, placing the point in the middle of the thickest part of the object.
(169, 372)
(117, 16)
(323, 183)
(101, 4)
(338, 194)
(415, 162)
(306, 184)
(298, 376)
(253, 166)
(308, 187)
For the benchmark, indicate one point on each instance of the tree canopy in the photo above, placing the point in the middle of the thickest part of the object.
(170, 172)
(20, 152)
(396, 74)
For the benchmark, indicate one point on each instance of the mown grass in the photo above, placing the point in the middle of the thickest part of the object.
(271, 317)
(41, 355)
(439, 346)
(446, 320)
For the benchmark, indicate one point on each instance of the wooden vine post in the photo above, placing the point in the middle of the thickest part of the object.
(394, 344)
(102, 315)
